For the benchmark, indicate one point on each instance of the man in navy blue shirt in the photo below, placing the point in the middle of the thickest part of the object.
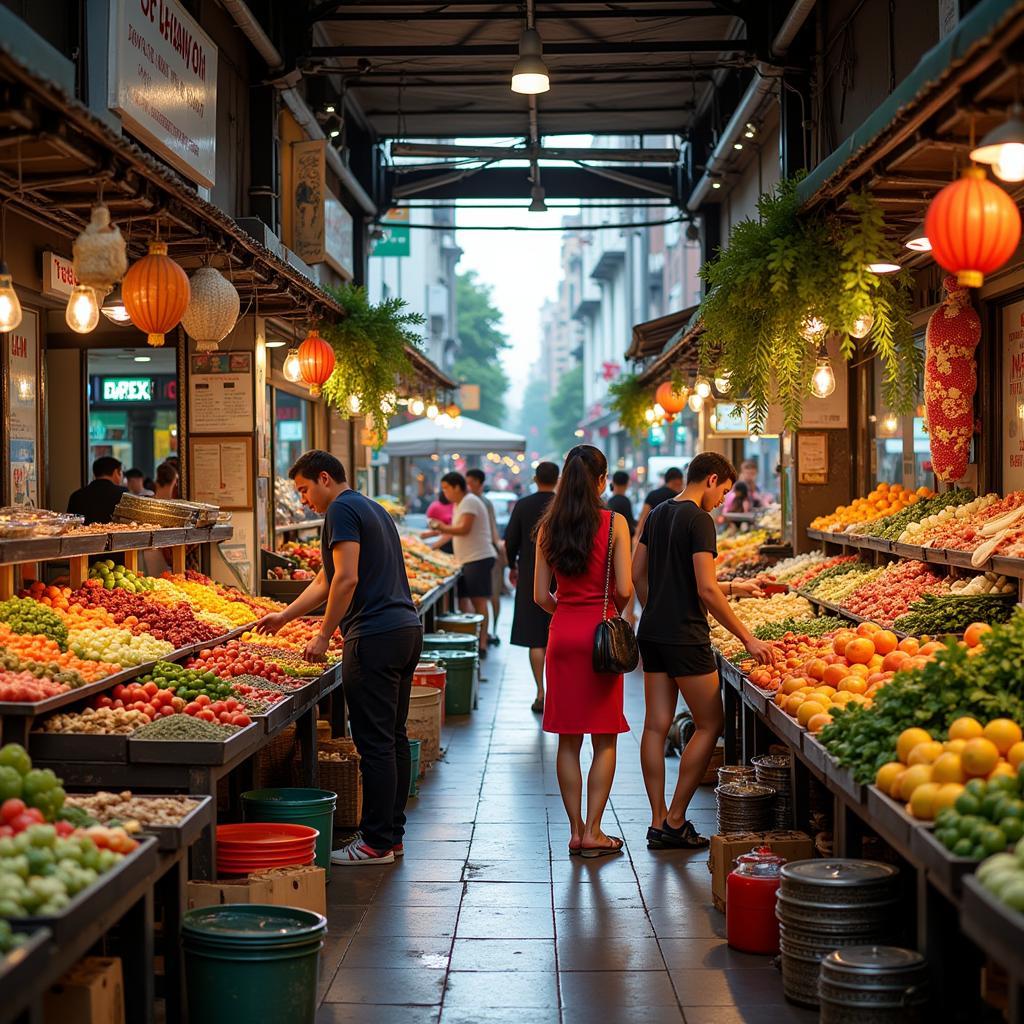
(364, 583)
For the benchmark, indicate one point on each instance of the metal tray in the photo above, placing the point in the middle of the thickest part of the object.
(29, 549)
(84, 544)
(844, 781)
(943, 867)
(198, 752)
(277, 715)
(91, 903)
(995, 927)
(168, 537)
(785, 727)
(170, 838)
(58, 746)
(130, 540)
(895, 823)
(815, 753)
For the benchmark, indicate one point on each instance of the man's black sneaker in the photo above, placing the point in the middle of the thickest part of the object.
(669, 838)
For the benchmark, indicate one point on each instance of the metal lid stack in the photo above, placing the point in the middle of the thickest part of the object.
(873, 985)
(774, 770)
(744, 807)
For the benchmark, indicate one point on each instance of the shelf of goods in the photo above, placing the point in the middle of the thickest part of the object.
(124, 680)
(918, 741)
(77, 869)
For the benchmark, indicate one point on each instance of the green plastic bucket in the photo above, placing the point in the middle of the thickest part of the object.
(460, 668)
(441, 642)
(313, 807)
(461, 622)
(252, 962)
(414, 774)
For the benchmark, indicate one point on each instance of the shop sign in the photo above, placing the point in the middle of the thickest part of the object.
(163, 83)
(21, 355)
(309, 177)
(1013, 397)
(396, 240)
(220, 392)
(126, 389)
(812, 458)
(338, 236)
(58, 276)
(469, 397)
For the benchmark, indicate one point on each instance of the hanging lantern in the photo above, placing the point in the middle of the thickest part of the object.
(453, 411)
(99, 255)
(316, 362)
(212, 310)
(973, 227)
(156, 293)
(671, 400)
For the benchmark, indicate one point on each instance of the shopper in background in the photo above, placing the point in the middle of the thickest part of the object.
(674, 574)
(135, 483)
(737, 501)
(530, 622)
(166, 481)
(672, 486)
(441, 509)
(98, 499)
(364, 583)
(748, 476)
(573, 549)
(470, 531)
(475, 482)
(619, 501)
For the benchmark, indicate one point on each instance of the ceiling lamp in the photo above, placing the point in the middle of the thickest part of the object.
(83, 310)
(10, 307)
(537, 204)
(316, 362)
(823, 381)
(671, 399)
(292, 369)
(530, 74)
(156, 293)
(919, 243)
(275, 343)
(113, 308)
(212, 310)
(883, 267)
(1003, 147)
(974, 227)
(862, 325)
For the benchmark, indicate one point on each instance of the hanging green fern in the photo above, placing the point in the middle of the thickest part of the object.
(782, 273)
(629, 400)
(369, 345)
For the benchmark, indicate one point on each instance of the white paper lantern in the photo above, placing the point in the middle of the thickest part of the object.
(100, 256)
(212, 310)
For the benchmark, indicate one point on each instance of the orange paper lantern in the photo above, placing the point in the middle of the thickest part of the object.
(155, 292)
(453, 411)
(672, 401)
(316, 362)
(973, 227)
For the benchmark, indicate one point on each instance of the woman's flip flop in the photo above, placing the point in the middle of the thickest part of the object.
(591, 852)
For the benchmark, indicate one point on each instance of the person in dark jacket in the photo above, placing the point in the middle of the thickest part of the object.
(98, 499)
(529, 621)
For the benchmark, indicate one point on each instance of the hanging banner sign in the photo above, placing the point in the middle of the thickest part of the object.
(1013, 397)
(22, 372)
(163, 83)
(309, 177)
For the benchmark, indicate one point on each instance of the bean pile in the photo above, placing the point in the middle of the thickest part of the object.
(185, 728)
(96, 721)
(106, 807)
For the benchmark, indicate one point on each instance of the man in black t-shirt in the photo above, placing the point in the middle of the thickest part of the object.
(98, 499)
(672, 486)
(674, 575)
(619, 501)
(364, 583)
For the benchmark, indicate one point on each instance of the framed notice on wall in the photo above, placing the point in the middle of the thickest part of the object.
(221, 393)
(21, 414)
(222, 471)
(812, 458)
(1013, 396)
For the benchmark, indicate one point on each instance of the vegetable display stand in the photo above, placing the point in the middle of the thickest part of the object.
(312, 807)
(249, 962)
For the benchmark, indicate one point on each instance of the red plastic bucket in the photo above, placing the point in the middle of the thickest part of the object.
(429, 674)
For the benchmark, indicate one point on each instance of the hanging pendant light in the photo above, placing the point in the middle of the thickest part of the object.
(83, 309)
(100, 257)
(292, 369)
(156, 293)
(417, 406)
(695, 402)
(530, 74)
(537, 204)
(973, 226)
(10, 306)
(702, 387)
(113, 308)
(212, 308)
(316, 362)
(433, 411)
(823, 380)
(1003, 147)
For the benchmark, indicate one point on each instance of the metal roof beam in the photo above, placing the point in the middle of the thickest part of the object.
(432, 14)
(399, 51)
(427, 149)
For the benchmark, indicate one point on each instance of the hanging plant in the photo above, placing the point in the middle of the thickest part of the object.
(629, 400)
(370, 351)
(785, 280)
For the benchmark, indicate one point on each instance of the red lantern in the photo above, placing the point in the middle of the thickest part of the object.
(973, 226)
(155, 292)
(316, 362)
(672, 401)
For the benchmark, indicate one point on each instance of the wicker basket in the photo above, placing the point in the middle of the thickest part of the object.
(424, 722)
(341, 777)
(272, 766)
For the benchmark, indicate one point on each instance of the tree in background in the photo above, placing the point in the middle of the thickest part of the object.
(534, 417)
(481, 343)
(567, 409)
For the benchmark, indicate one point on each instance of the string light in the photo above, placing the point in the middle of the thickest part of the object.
(83, 312)
(823, 381)
(292, 368)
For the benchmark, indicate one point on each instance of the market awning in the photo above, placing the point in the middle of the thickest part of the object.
(681, 356)
(906, 150)
(654, 336)
(466, 436)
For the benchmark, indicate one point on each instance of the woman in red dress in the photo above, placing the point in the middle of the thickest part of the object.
(572, 545)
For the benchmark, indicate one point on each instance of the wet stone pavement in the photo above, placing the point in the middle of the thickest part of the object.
(487, 920)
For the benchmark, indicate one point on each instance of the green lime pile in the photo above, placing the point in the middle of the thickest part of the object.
(986, 818)
(23, 615)
(1003, 875)
(117, 577)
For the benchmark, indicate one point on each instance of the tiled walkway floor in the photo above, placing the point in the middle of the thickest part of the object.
(489, 921)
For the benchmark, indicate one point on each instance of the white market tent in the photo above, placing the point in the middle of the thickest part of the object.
(466, 436)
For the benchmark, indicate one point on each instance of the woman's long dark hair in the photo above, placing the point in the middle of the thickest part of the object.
(571, 519)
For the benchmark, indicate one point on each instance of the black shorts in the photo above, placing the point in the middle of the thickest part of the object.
(677, 659)
(475, 580)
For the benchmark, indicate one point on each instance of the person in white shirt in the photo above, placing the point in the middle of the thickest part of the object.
(470, 530)
(475, 482)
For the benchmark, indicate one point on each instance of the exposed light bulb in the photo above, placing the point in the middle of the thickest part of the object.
(812, 328)
(649, 415)
(577, 433)
(520, 457)
(432, 411)
(389, 403)
(83, 312)
(10, 307)
(737, 145)
(417, 407)
(1003, 147)
(702, 387)
(292, 368)
(716, 184)
(1010, 165)
(862, 325)
(890, 424)
(530, 74)
(823, 381)
(354, 404)
(659, 411)
(695, 401)
(723, 382)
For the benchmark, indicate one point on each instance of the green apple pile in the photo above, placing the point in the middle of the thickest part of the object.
(117, 577)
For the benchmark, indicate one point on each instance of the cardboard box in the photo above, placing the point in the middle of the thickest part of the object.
(92, 992)
(725, 849)
(304, 887)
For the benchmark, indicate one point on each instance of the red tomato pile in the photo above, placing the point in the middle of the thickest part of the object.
(23, 686)
(227, 712)
(15, 817)
(145, 697)
(233, 659)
